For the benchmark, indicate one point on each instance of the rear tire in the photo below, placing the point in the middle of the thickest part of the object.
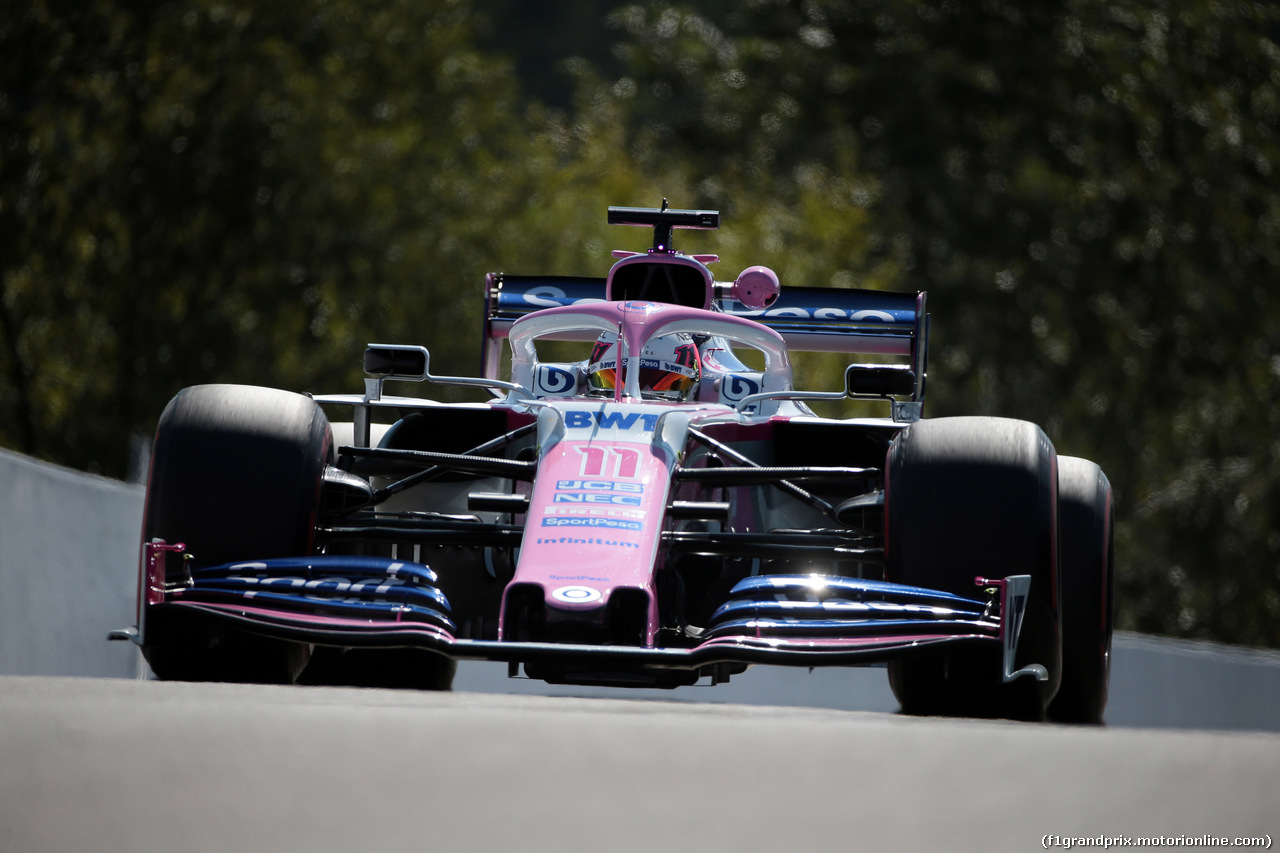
(1085, 520)
(970, 497)
(235, 475)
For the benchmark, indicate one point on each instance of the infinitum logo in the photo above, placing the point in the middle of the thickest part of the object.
(574, 540)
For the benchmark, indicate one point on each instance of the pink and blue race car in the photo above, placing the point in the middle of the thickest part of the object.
(645, 499)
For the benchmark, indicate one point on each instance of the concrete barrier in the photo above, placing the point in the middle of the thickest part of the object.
(68, 569)
(68, 558)
(1158, 682)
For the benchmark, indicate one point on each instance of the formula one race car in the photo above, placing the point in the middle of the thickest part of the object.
(663, 508)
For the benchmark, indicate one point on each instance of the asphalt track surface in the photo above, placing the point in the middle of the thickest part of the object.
(117, 765)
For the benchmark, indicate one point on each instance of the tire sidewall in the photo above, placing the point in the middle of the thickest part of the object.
(1086, 523)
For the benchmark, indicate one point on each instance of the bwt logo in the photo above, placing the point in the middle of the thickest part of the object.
(577, 419)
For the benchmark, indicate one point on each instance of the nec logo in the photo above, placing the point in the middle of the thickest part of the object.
(577, 419)
(596, 498)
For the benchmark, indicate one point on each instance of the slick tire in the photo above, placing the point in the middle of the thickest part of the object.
(1085, 520)
(965, 498)
(235, 475)
(404, 668)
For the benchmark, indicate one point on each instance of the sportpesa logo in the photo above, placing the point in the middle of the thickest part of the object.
(608, 523)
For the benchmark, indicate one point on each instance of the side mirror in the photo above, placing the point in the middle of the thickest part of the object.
(402, 361)
(756, 288)
(396, 361)
(879, 380)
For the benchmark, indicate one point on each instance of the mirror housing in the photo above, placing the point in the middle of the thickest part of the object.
(397, 361)
(879, 380)
(756, 288)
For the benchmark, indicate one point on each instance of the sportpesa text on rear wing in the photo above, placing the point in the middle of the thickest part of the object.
(810, 319)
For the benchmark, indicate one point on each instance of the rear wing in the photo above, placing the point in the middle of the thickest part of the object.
(810, 319)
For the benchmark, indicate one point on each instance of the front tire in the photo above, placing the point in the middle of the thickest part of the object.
(970, 497)
(235, 475)
(1085, 521)
(395, 669)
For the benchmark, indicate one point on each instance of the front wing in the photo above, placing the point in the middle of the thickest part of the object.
(789, 620)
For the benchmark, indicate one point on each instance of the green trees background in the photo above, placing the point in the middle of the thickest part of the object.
(198, 191)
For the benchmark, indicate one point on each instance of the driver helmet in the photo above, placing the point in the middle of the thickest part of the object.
(670, 366)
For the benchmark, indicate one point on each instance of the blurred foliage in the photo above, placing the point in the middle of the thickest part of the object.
(1086, 190)
(213, 190)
